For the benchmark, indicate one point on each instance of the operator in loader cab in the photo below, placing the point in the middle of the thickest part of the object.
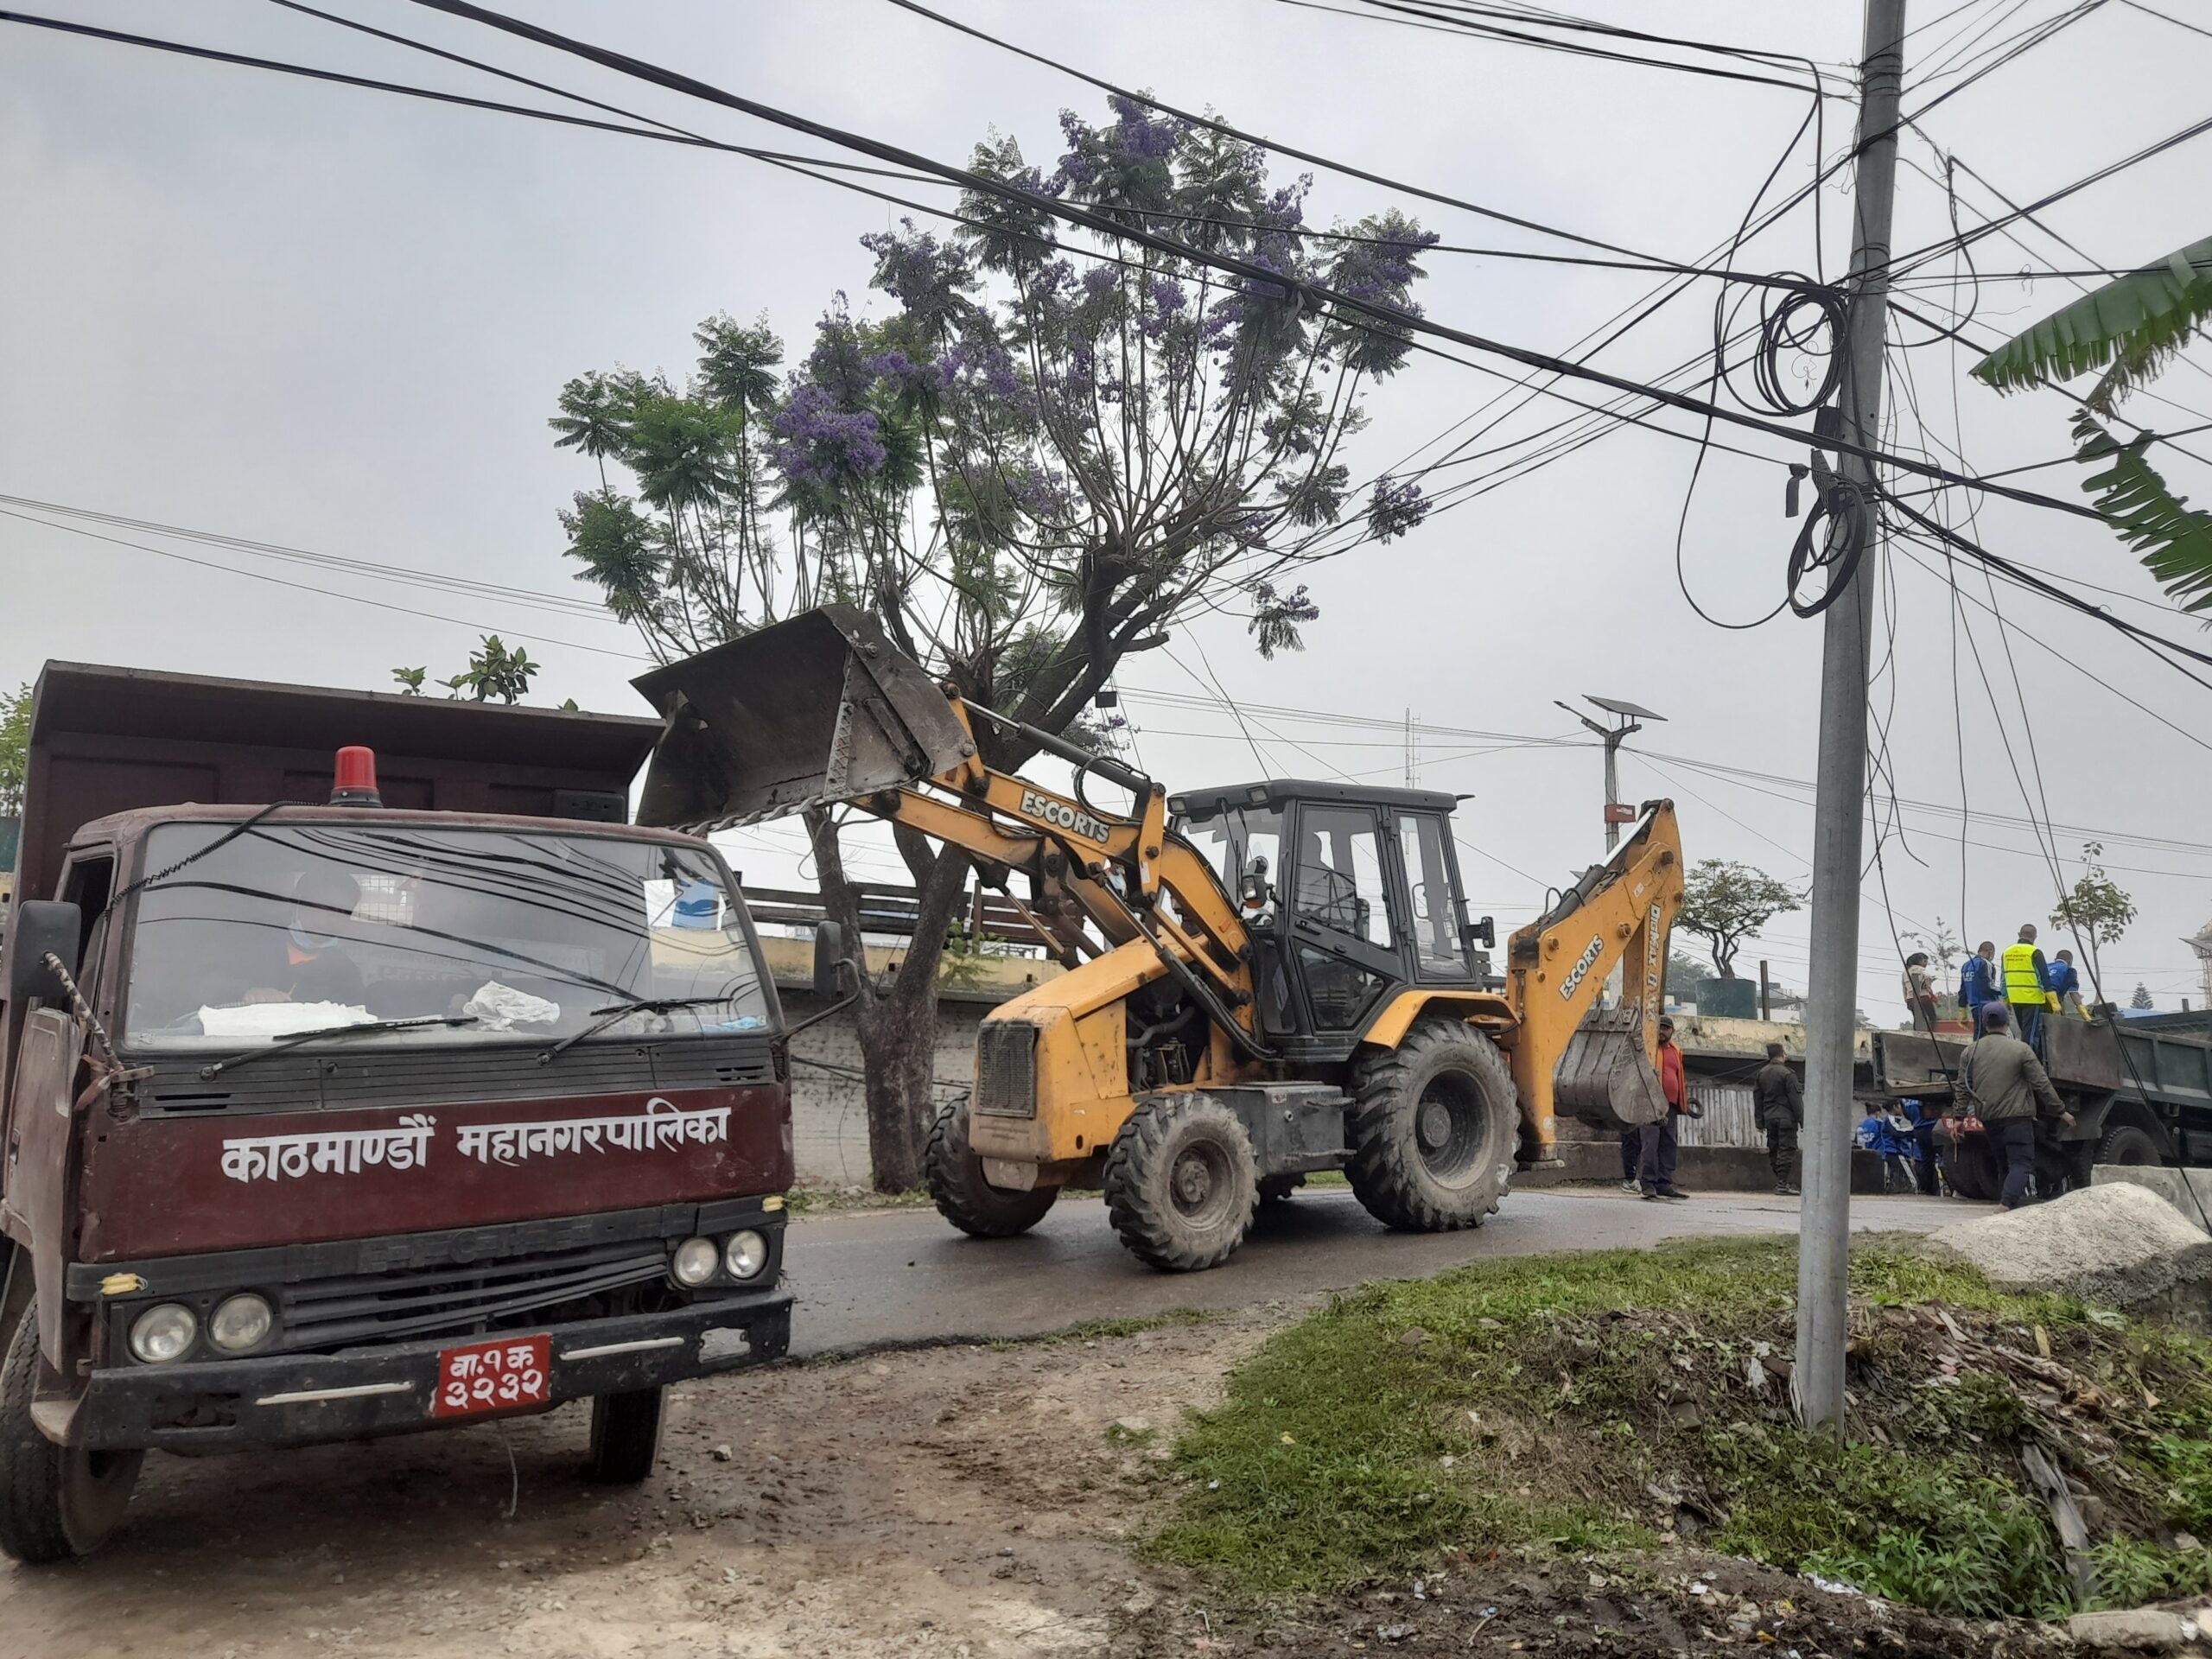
(311, 965)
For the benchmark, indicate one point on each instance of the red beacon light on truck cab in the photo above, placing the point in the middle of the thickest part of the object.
(354, 783)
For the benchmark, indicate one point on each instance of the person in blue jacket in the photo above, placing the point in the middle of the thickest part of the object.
(1889, 1135)
(1978, 984)
(2065, 982)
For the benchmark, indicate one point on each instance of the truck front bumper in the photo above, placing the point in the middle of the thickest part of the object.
(307, 1399)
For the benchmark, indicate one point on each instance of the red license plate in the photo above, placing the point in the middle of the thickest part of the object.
(495, 1376)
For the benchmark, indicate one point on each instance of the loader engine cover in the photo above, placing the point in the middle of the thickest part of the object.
(821, 708)
(1606, 1077)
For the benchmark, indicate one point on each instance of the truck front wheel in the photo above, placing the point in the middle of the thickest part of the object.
(624, 1436)
(56, 1501)
(1434, 1130)
(964, 1197)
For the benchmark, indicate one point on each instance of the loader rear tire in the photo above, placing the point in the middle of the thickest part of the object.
(1182, 1183)
(964, 1197)
(1434, 1130)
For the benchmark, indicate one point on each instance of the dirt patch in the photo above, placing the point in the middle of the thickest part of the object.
(963, 1500)
(1674, 1603)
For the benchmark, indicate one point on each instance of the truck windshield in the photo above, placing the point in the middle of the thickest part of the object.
(531, 934)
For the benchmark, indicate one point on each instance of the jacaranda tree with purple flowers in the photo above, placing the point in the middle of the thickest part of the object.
(1036, 456)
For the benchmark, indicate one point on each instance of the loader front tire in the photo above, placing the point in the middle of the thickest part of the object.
(1434, 1128)
(964, 1197)
(1182, 1183)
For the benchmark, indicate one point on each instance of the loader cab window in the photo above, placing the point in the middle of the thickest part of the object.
(1239, 842)
(1340, 874)
(1424, 844)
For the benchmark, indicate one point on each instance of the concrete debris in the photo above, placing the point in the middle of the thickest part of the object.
(2134, 1629)
(2118, 1245)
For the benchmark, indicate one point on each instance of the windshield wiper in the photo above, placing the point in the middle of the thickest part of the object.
(622, 1011)
(208, 1073)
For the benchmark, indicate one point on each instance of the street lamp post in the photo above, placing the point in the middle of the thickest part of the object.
(1629, 718)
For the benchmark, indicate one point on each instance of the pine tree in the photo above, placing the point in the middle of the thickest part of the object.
(2142, 997)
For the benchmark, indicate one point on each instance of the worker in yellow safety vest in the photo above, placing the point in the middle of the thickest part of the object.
(2026, 979)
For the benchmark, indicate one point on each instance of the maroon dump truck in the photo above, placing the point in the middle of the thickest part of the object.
(364, 1071)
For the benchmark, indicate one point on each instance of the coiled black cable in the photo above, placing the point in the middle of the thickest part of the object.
(1805, 318)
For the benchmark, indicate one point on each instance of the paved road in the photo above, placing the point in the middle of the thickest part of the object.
(896, 1276)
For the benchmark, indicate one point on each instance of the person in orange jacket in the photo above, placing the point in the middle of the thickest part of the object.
(1657, 1173)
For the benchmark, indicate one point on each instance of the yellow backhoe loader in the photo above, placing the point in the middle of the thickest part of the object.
(1264, 980)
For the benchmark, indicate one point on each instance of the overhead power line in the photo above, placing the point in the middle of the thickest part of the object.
(1208, 122)
(1107, 227)
(1459, 21)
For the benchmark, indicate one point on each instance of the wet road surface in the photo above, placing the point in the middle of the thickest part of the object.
(894, 1277)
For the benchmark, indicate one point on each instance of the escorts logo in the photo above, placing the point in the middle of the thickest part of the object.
(1583, 964)
(1061, 815)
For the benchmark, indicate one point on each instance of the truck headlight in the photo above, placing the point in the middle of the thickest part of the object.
(163, 1334)
(241, 1323)
(745, 1255)
(695, 1261)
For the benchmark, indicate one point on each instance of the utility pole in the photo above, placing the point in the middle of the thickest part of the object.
(1629, 716)
(1832, 991)
(1412, 749)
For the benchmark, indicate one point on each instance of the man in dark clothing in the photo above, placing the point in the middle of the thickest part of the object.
(310, 964)
(1656, 1173)
(1781, 1099)
(2006, 1083)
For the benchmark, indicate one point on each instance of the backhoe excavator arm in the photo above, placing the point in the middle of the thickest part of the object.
(824, 709)
(1600, 1066)
(1117, 867)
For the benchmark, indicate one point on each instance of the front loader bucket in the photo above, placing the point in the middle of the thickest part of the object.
(821, 708)
(1606, 1076)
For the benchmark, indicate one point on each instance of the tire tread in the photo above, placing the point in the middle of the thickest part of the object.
(1145, 1226)
(1383, 1169)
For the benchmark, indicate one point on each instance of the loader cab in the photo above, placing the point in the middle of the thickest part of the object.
(1350, 893)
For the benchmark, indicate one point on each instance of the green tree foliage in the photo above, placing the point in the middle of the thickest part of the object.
(1723, 902)
(2142, 997)
(2130, 329)
(1028, 463)
(493, 671)
(1684, 972)
(15, 749)
(2095, 908)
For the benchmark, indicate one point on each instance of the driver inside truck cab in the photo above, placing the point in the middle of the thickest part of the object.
(311, 963)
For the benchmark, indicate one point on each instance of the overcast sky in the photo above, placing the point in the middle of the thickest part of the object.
(337, 320)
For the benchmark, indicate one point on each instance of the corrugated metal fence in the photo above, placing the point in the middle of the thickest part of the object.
(1731, 1118)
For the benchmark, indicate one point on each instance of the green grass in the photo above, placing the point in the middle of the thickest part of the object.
(1108, 1330)
(1535, 1404)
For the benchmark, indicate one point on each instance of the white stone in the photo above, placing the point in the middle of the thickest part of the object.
(2118, 1245)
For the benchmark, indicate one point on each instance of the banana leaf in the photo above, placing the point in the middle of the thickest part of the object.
(2129, 327)
(2174, 538)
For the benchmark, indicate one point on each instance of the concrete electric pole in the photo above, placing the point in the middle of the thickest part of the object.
(1630, 718)
(1832, 992)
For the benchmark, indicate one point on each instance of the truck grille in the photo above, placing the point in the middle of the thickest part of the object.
(1006, 1068)
(327, 1313)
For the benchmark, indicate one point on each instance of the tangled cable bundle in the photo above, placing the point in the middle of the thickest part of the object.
(1797, 316)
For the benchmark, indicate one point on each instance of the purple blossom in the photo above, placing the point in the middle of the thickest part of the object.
(925, 275)
(912, 379)
(1140, 135)
(1098, 281)
(814, 442)
(1397, 507)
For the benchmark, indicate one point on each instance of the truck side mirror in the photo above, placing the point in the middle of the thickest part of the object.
(40, 926)
(833, 972)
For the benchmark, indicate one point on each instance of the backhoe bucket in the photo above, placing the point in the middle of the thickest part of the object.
(1606, 1076)
(821, 708)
